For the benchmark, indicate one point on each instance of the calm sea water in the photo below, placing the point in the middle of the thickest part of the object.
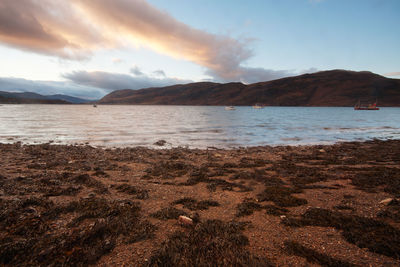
(193, 126)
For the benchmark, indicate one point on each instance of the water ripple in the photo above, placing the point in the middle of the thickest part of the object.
(193, 126)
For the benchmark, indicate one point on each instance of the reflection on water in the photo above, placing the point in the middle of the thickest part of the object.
(195, 126)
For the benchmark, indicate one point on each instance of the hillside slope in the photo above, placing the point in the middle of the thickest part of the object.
(12, 100)
(34, 96)
(326, 88)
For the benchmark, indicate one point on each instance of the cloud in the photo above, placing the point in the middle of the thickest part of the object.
(45, 27)
(156, 29)
(396, 73)
(117, 60)
(159, 73)
(117, 81)
(50, 87)
(87, 84)
(251, 75)
(136, 71)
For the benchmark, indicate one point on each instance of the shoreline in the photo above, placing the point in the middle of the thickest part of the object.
(188, 105)
(168, 146)
(265, 205)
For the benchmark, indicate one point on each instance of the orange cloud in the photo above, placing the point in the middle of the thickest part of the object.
(46, 27)
(151, 27)
(76, 28)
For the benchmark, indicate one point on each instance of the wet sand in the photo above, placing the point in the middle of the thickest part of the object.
(331, 205)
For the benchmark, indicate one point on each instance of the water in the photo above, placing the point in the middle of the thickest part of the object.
(193, 126)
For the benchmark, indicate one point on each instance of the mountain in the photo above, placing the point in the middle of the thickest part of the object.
(71, 99)
(325, 88)
(19, 100)
(30, 97)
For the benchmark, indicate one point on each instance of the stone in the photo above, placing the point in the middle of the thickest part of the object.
(386, 201)
(160, 143)
(185, 220)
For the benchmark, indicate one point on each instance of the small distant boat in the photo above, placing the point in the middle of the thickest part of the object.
(258, 106)
(360, 106)
(94, 105)
(230, 108)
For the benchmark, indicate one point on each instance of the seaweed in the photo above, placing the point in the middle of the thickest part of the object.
(30, 236)
(192, 204)
(85, 179)
(247, 208)
(313, 256)
(132, 190)
(212, 243)
(274, 210)
(343, 207)
(371, 179)
(257, 175)
(169, 169)
(299, 175)
(281, 196)
(201, 176)
(213, 184)
(377, 236)
(63, 191)
(392, 211)
(168, 213)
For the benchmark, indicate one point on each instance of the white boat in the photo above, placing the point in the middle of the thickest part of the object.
(230, 108)
(258, 106)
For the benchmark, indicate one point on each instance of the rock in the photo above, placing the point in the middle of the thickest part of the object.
(322, 151)
(283, 216)
(185, 220)
(386, 201)
(160, 143)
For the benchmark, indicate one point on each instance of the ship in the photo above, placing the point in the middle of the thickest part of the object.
(371, 106)
(258, 106)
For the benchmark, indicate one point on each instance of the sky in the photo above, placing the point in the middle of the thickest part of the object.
(88, 48)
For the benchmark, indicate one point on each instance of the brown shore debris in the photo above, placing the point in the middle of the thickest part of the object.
(327, 205)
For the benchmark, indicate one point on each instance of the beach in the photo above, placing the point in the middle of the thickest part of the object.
(330, 205)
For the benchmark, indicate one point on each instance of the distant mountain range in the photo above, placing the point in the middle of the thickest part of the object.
(34, 98)
(325, 88)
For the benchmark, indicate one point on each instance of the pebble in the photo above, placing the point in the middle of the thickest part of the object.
(185, 220)
(386, 201)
